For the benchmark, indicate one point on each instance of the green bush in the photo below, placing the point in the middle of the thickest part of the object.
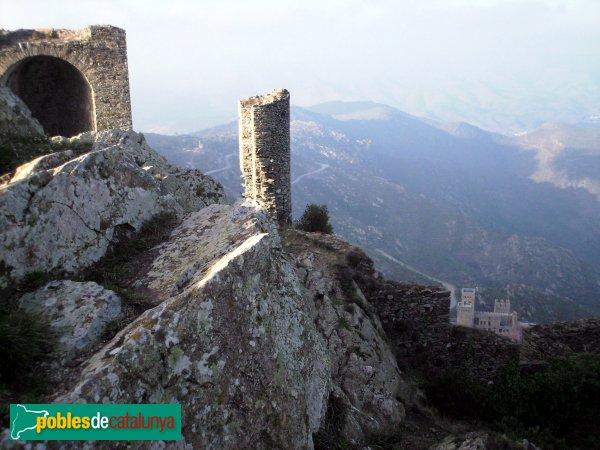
(329, 436)
(315, 218)
(557, 408)
(559, 403)
(18, 150)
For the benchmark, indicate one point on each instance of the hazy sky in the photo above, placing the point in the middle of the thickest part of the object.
(500, 64)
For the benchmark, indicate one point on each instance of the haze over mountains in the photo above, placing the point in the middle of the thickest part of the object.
(519, 217)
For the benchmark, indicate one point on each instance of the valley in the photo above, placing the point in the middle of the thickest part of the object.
(451, 201)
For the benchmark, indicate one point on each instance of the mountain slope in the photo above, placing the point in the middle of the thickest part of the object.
(444, 202)
(568, 156)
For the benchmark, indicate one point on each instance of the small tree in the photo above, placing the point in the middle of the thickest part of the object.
(315, 218)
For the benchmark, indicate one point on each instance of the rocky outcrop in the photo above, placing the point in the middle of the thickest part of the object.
(78, 312)
(15, 118)
(61, 212)
(369, 392)
(482, 441)
(21, 135)
(232, 339)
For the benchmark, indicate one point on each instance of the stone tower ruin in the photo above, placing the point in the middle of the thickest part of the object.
(71, 80)
(264, 122)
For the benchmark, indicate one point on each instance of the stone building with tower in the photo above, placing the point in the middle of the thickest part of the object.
(502, 321)
(264, 133)
(71, 80)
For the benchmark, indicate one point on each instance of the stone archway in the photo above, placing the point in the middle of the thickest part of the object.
(56, 92)
(72, 80)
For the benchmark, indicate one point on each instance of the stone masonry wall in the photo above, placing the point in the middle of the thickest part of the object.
(98, 52)
(561, 338)
(415, 318)
(264, 130)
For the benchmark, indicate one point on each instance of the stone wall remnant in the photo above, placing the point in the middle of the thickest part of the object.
(264, 130)
(71, 80)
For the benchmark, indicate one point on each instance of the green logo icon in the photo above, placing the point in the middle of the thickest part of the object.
(130, 422)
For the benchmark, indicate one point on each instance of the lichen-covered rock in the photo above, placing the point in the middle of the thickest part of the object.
(482, 441)
(63, 218)
(367, 381)
(20, 133)
(233, 340)
(78, 312)
(15, 117)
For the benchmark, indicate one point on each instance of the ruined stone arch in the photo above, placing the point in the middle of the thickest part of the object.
(57, 93)
(72, 80)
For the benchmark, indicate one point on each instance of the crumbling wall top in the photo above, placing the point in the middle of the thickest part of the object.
(56, 35)
(259, 100)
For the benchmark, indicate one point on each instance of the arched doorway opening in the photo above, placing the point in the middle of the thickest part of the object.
(56, 92)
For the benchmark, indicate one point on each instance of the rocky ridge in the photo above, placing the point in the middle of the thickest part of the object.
(267, 340)
(252, 353)
(61, 212)
(231, 338)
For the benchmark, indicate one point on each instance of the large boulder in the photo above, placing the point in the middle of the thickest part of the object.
(232, 339)
(15, 117)
(21, 135)
(61, 212)
(369, 394)
(78, 313)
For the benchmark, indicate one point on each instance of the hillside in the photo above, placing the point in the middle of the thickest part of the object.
(436, 202)
(128, 280)
(567, 156)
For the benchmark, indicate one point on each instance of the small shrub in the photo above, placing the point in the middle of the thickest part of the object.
(329, 436)
(556, 408)
(34, 280)
(315, 218)
(343, 323)
(25, 340)
(18, 150)
(354, 259)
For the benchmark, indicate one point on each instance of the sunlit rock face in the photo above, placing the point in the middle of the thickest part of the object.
(60, 212)
(369, 390)
(232, 340)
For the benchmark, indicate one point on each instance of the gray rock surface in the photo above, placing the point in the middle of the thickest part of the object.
(482, 441)
(77, 312)
(233, 340)
(63, 218)
(366, 377)
(472, 441)
(15, 117)
(22, 137)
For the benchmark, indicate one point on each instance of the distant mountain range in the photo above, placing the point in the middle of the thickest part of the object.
(518, 217)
